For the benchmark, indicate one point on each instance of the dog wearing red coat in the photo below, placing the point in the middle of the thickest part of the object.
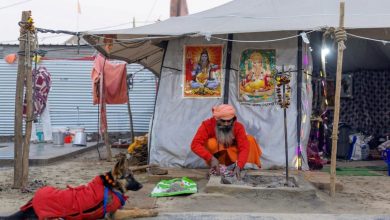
(101, 198)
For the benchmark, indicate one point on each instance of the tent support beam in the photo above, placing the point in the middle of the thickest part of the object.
(227, 69)
(339, 70)
(299, 100)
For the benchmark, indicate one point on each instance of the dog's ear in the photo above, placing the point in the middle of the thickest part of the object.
(120, 167)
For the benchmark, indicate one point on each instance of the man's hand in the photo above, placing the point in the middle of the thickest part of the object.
(214, 163)
(237, 172)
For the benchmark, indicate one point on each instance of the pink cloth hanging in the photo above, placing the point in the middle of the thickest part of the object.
(114, 90)
(115, 87)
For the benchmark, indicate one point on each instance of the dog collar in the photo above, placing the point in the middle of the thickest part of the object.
(108, 179)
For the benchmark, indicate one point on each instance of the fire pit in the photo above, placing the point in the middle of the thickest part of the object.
(263, 185)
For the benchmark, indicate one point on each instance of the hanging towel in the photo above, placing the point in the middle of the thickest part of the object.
(41, 88)
(115, 87)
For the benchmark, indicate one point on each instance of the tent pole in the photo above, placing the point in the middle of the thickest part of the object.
(340, 50)
(227, 69)
(299, 100)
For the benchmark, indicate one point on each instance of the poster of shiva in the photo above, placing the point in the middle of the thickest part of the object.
(256, 76)
(203, 71)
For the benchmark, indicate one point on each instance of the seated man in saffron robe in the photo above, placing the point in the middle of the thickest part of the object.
(221, 139)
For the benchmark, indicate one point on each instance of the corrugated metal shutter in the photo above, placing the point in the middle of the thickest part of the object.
(71, 88)
(7, 97)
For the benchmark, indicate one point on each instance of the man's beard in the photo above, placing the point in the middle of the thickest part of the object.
(224, 135)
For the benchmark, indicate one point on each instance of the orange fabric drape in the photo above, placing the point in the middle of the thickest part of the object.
(229, 154)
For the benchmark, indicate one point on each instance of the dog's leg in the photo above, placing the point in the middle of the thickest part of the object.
(29, 214)
(133, 213)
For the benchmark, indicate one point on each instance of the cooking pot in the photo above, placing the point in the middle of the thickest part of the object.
(80, 139)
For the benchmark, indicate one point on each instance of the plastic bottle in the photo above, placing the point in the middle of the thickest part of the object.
(39, 131)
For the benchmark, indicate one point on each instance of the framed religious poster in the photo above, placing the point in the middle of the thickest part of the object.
(202, 71)
(256, 76)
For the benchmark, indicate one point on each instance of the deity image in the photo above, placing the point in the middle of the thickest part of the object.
(203, 71)
(256, 83)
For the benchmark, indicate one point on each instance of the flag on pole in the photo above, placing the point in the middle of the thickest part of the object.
(78, 7)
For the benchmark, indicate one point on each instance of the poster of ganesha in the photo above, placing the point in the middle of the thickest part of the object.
(256, 76)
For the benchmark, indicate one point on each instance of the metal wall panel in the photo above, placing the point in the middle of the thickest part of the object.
(71, 88)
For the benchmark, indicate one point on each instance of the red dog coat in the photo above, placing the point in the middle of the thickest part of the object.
(82, 202)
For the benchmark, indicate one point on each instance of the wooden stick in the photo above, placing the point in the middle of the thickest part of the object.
(143, 167)
(337, 106)
(103, 109)
(106, 136)
(134, 213)
(107, 143)
(18, 122)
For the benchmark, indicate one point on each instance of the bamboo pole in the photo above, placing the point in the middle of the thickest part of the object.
(18, 122)
(104, 122)
(337, 105)
(104, 109)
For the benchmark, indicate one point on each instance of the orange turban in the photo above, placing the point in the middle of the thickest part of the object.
(224, 111)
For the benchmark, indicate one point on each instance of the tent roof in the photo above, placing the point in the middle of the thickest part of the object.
(245, 16)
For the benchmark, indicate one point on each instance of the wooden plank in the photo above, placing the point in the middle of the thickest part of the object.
(29, 108)
(18, 122)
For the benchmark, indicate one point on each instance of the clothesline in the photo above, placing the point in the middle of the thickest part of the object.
(367, 38)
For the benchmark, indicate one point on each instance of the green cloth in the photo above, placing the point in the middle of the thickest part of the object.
(357, 171)
(177, 186)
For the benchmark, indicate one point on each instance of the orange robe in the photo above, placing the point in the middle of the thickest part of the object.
(228, 155)
(204, 144)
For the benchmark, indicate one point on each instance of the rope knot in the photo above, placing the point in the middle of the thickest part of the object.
(340, 34)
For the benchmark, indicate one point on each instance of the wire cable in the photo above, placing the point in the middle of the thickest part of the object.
(263, 41)
(367, 38)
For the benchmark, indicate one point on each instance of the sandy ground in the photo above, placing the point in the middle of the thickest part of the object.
(365, 195)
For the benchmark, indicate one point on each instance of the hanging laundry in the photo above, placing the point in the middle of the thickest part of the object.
(109, 86)
(41, 88)
(115, 87)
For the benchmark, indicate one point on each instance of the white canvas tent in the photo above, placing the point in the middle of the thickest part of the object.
(159, 47)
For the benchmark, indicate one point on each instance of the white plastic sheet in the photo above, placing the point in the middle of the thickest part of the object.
(176, 119)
